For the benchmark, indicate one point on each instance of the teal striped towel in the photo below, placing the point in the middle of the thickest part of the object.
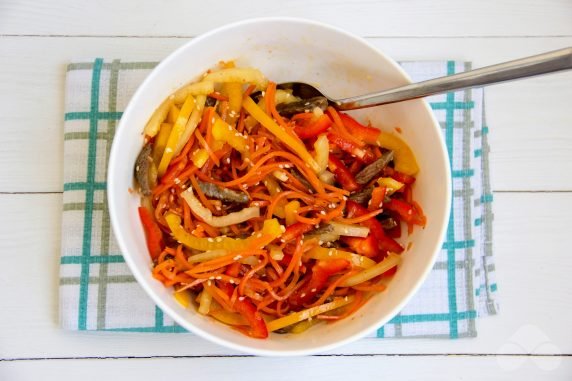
(98, 292)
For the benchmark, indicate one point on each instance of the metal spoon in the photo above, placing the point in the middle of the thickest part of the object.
(525, 67)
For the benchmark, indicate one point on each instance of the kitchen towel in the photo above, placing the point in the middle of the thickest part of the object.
(98, 292)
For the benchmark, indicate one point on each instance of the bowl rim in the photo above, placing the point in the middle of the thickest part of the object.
(137, 272)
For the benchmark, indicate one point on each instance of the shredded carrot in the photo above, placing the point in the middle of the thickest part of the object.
(264, 176)
(218, 96)
(362, 218)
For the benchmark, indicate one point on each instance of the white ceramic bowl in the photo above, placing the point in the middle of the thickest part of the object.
(342, 64)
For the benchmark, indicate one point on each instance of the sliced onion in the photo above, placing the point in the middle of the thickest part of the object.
(327, 177)
(205, 300)
(215, 221)
(280, 175)
(387, 264)
(350, 230)
(322, 147)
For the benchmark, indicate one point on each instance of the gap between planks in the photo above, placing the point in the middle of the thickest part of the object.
(318, 355)
(195, 36)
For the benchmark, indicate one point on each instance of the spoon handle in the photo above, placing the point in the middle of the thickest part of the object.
(525, 67)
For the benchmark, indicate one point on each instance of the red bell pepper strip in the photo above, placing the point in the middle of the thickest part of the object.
(233, 270)
(403, 178)
(367, 246)
(367, 134)
(321, 272)
(315, 128)
(293, 231)
(249, 312)
(153, 234)
(342, 174)
(383, 241)
(407, 212)
(257, 324)
(351, 148)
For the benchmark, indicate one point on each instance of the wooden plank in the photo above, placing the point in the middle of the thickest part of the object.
(530, 120)
(532, 262)
(319, 368)
(370, 18)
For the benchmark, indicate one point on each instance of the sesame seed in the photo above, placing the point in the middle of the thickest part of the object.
(282, 228)
(210, 239)
(231, 281)
(330, 252)
(317, 226)
(410, 211)
(168, 150)
(310, 318)
(313, 290)
(302, 294)
(177, 180)
(345, 198)
(218, 239)
(137, 168)
(247, 146)
(323, 213)
(238, 257)
(228, 160)
(263, 93)
(219, 277)
(211, 278)
(320, 242)
(306, 111)
(213, 120)
(307, 104)
(241, 298)
(209, 283)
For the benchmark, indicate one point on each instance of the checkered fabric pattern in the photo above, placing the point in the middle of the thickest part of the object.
(98, 292)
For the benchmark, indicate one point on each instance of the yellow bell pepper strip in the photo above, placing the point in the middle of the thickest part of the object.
(193, 89)
(403, 156)
(303, 326)
(294, 144)
(183, 298)
(290, 211)
(176, 133)
(270, 231)
(154, 123)
(308, 313)
(173, 114)
(226, 317)
(387, 264)
(192, 123)
(161, 142)
(234, 92)
(223, 131)
(200, 157)
(391, 185)
(322, 253)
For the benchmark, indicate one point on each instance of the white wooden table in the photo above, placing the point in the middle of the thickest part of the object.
(531, 162)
